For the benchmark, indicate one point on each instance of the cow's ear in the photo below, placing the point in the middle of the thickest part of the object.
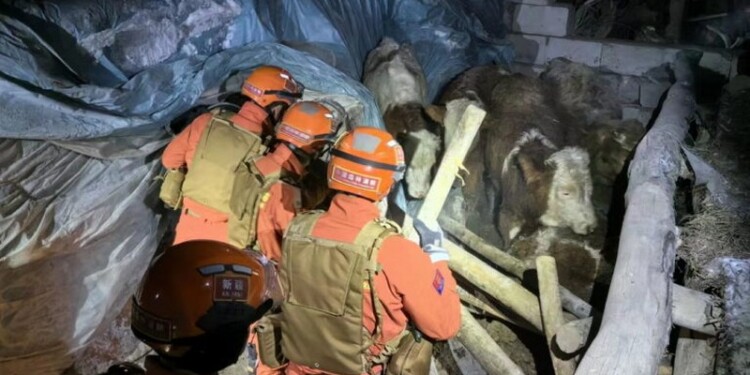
(531, 169)
(435, 113)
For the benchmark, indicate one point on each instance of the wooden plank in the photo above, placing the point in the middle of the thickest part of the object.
(641, 291)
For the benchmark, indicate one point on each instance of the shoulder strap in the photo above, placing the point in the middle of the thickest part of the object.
(303, 223)
(372, 236)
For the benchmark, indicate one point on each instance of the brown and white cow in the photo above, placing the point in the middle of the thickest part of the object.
(395, 77)
(526, 167)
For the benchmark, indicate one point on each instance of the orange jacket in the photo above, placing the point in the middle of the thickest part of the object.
(410, 287)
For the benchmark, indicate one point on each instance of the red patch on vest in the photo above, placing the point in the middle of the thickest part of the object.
(230, 288)
(438, 282)
(356, 180)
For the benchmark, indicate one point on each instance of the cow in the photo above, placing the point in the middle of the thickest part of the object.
(582, 91)
(398, 83)
(527, 169)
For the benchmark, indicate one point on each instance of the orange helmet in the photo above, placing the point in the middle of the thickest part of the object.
(269, 84)
(306, 125)
(197, 301)
(366, 161)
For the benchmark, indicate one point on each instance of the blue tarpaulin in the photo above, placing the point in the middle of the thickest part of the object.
(88, 89)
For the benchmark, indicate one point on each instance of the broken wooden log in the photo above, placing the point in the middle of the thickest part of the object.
(641, 291)
(572, 336)
(695, 310)
(481, 345)
(691, 310)
(552, 314)
(509, 263)
(500, 287)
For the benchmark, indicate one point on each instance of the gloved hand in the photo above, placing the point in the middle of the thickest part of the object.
(431, 239)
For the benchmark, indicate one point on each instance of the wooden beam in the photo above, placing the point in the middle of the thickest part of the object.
(552, 315)
(572, 336)
(641, 291)
(500, 287)
(509, 263)
(695, 310)
(498, 257)
(484, 349)
(690, 309)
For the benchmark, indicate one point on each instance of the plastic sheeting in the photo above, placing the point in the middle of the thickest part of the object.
(88, 89)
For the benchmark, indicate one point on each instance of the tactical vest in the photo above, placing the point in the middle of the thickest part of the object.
(250, 193)
(325, 283)
(222, 151)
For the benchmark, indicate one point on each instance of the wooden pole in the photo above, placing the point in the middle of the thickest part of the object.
(498, 257)
(500, 287)
(509, 263)
(453, 158)
(641, 291)
(695, 310)
(481, 345)
(552, 315)
(691, 310)
(572, 336)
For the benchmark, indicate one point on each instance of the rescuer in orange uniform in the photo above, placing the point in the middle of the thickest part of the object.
(212, 157)
(272, 198)
(336, 263)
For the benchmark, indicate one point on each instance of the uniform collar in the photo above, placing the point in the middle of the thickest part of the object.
(358, 211)
(251, 117)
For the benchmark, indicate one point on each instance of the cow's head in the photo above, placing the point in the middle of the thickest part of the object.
(569, 198)
(610, 145)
